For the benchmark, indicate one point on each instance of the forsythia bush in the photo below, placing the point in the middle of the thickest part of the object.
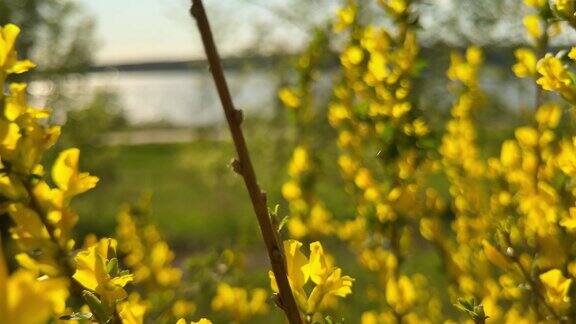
(504, 226)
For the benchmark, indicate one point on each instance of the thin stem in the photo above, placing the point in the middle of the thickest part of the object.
(243, 166)
(533, 284)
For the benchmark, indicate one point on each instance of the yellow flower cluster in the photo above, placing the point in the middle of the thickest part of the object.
(235, 301)
(145, 253)
(371, 109)
(506, 237)
(308, 214)
(42, 219)
(554, 76)
(51, 272)
(318, 269)
(20, 289)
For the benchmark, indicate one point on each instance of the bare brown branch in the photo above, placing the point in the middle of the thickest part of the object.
(243, 166)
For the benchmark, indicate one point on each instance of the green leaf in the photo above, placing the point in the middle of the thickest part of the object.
(76, 316)
(99, 310)
(112, 267)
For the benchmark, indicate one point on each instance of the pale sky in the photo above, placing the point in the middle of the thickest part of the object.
(147, 30)
(143, 30)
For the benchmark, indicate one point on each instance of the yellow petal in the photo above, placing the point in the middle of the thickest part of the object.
(21, 66)
(16, 101)
(66, 175)
(9, 135)
(8, 35)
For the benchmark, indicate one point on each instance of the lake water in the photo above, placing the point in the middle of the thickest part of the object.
(182, 98)
(189, 98)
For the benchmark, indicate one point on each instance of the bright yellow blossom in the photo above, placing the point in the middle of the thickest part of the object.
(8, 58)
(345, 17)
(556, 287)
(526, 63)
(92, 271)
(533, 26)
(291, 191)
(572, 53)
(289, 98)
(67, 177)
(566, 8)
(132, 310)
(318, 269)
(237, 302)
(495, 256)
(24, 298)
(535, 3)
(570, 221)
(400, 293)
(555, 77)
(352, 56)
(201, 321)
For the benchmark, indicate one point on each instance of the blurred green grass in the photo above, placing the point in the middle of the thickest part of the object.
(196, 198)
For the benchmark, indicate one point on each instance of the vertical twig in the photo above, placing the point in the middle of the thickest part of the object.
(244, 167)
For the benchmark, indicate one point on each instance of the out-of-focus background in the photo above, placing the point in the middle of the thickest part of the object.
(130, 86)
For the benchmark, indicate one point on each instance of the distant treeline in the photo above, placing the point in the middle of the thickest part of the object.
(500, 56)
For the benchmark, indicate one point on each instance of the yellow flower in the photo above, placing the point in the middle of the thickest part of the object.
(132, 311)
(289, 98)
(549, 115)
(526, 63)
(377, 65)
(400, 294)
(420, 127)
(527, 136)
(182, 308)
(295, 262)
(8, 58)
(567, 157)
(572, 53)
(555, 77)
(27, 299)
(533, 26)
(92, 271)
(566, 8)
(201, 321)
(291, 191)
(296, 227)
(494, 256)
(466, 70)
(429, 228)
(570, 222)
(510, 154)
(557, 287)
(320, 219)
(535, 3)
(16, 103)
(352, 56)
(474, 56)
(396, 7)
(300, 161)
(9, 136)
(67, 177)
(344, 18)
(515, 316)
(160, 264)
(236, 301)
(327, 279)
